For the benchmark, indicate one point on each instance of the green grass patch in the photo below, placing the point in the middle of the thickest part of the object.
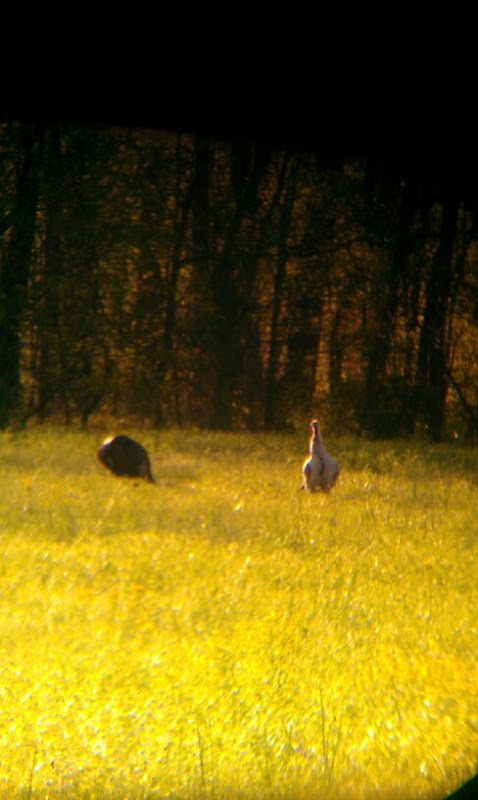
(225, 636)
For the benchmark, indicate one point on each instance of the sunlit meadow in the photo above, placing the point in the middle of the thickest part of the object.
(223, 635)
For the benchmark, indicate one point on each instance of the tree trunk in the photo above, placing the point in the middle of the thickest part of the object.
(49, 280)
(381, 339)
(431, 381)
(168, 361)
(277, 299)
(231, 304)
(15, 270)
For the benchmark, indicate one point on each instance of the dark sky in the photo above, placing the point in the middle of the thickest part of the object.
(433, 131)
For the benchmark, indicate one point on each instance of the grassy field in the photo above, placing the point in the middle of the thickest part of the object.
(224, 636)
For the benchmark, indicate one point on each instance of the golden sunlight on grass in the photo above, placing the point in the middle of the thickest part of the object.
(224, 635)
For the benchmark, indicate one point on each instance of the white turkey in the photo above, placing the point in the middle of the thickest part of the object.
(123, 456)
(320, 470)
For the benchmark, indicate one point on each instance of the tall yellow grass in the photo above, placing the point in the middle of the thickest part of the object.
(223, 635)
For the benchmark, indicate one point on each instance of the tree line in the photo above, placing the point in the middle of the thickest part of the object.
(179, 278)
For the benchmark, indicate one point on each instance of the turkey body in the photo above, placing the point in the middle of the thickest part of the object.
(123, 456)
(320, 470)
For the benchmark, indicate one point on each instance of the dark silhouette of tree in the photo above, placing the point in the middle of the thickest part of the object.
(286, 188)
(169, 365)
(16, 259)
(432, 363)
(66, 278)
(231, 278)
(401, 189)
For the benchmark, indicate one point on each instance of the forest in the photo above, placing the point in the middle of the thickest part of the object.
(177, 278)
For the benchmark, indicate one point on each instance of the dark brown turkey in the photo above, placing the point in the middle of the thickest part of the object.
(123, 456)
